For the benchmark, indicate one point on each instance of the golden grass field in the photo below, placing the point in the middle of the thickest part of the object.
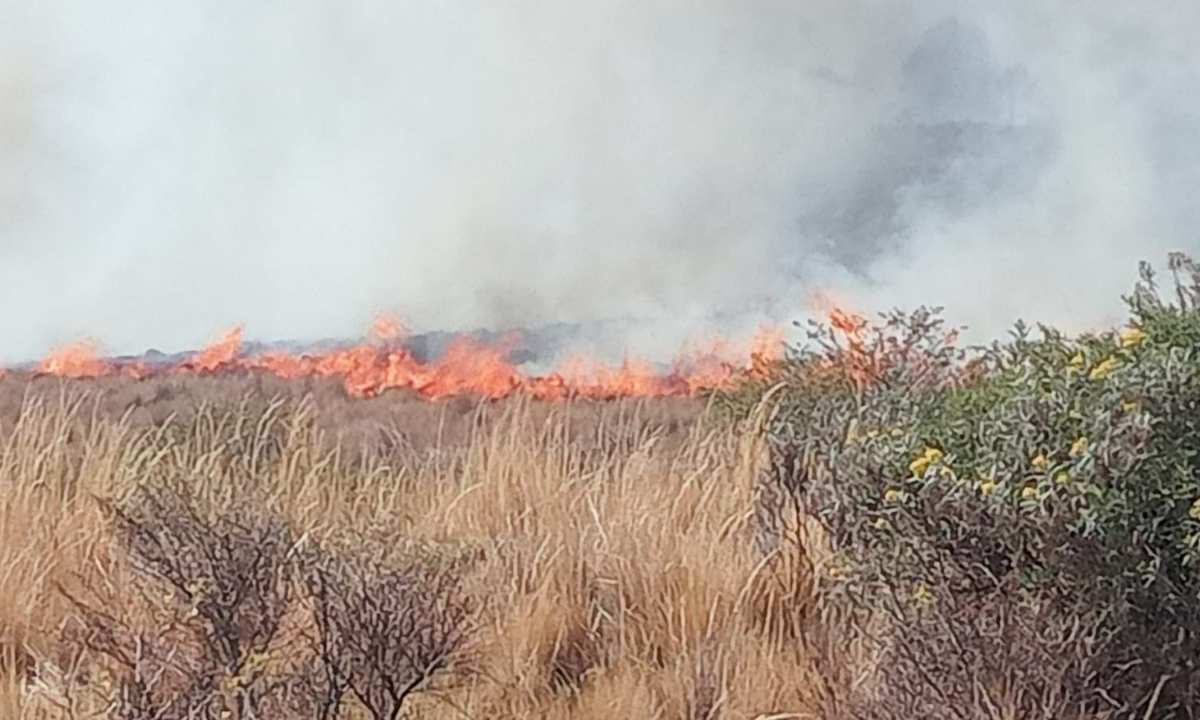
(615, 561)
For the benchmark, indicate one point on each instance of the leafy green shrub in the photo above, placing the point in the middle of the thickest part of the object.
(1025, 517)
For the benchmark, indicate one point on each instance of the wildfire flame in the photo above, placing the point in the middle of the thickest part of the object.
(387, 329)
(850, 330)
(862, 355)
(78, 360)
(219, 354)
(467, 367)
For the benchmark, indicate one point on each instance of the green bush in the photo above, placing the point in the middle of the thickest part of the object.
(1023, 518)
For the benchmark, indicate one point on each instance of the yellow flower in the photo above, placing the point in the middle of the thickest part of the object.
(1104, 369)
(1062, 478)
(1132, 337)
(1029, 492)
(1079, 447)
(931, 456)
(1039, 461)
(987, 487)
(1129, 406)
(1076, 361)
(922, 594)
(881, 524)
(893, 495)
(1194, 513)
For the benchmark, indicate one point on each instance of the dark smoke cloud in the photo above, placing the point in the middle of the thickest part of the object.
(168, 169)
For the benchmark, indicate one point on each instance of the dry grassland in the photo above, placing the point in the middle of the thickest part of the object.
(603, 559)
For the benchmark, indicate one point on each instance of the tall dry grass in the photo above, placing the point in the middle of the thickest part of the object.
(616, 567)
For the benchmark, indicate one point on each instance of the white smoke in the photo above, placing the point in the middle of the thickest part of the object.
(168, 169)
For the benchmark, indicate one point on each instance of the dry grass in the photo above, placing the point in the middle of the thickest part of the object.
(613, 546)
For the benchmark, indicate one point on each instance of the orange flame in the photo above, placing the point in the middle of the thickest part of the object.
(78, 360)
(766, 348)
(855, 359)
(467, 367)
(219, 354)
(387, 329)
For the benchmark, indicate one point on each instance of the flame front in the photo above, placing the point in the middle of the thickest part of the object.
(467, 367)
(219, 354)
(78, 360)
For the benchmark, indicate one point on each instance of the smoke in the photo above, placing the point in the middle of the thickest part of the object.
(168, 169)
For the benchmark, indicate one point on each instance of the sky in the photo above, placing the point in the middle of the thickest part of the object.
(170, 169)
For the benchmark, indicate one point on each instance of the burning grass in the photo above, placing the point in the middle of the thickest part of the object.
(563, 560)
(468, 367)
(888, 526)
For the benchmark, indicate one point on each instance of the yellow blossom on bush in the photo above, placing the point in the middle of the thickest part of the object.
(1104, 369)
(931, 456)
(1029, 492)
(1079, 447)
(1132, 337)
(1062, 478)
(257, 661)
(893, 495)
(1039, 461)
(881, 524)
(922, 594)
(1076, 361)
(1129, 406)
(987, 487)
(1195, 511)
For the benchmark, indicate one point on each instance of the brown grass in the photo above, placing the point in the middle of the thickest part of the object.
(617, 570)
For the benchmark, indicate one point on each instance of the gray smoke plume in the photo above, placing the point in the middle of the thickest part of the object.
(168, 169)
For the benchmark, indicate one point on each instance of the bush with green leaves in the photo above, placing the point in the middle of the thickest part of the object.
(1023, 518)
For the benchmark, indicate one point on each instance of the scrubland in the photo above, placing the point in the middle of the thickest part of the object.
(550, 560)
(886, 526)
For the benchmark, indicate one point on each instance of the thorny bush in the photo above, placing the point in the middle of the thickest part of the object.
(1023, 517)
(215, 593)
(389, 624)
(238, 619)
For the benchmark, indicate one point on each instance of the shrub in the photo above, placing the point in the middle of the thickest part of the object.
(225, 599)
(387, 627)
(1025, 516)
(214, 593)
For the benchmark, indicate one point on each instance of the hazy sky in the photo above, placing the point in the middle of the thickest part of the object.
(168, 169)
